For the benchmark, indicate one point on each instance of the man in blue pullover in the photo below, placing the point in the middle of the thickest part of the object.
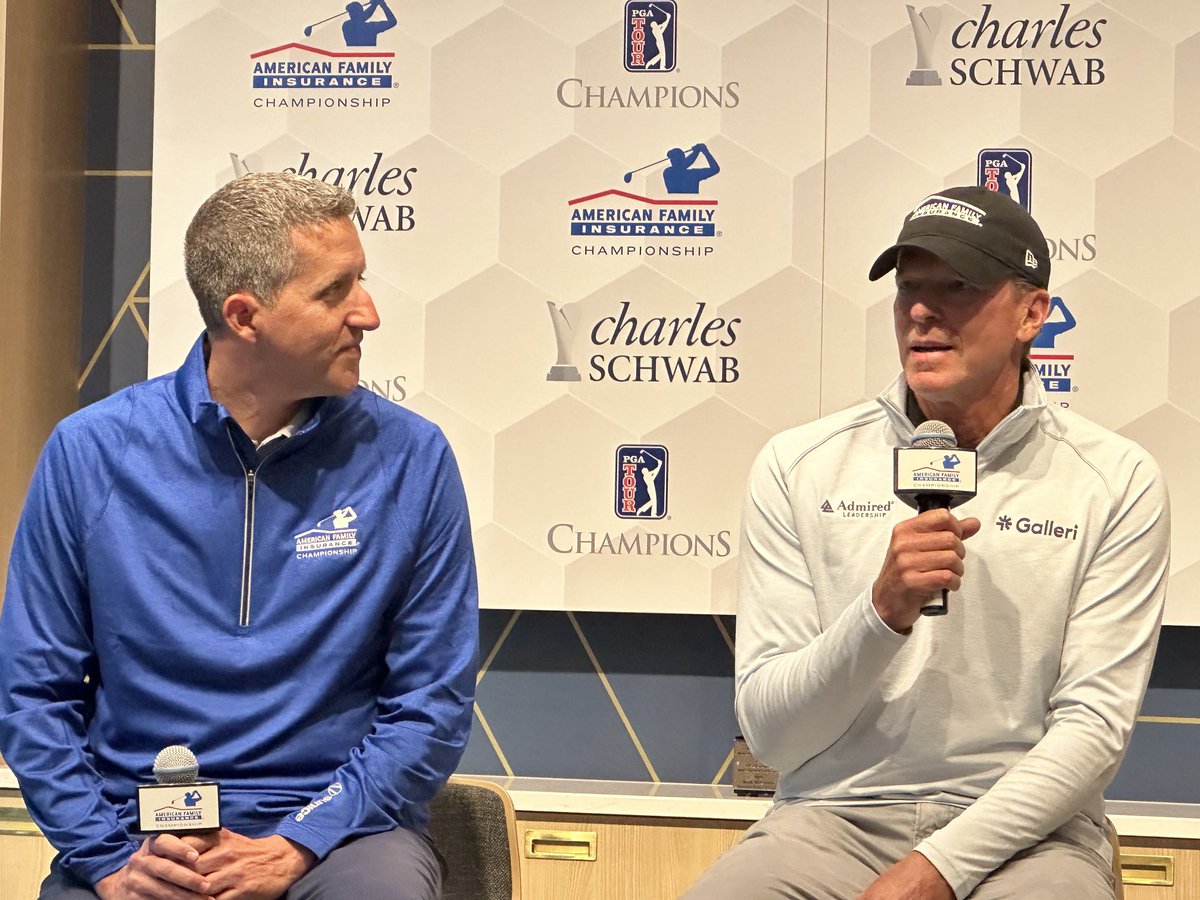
(256, 558)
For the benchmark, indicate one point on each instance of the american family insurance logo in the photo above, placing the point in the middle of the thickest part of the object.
(350, 63)
(1055, 366)
(609, 216)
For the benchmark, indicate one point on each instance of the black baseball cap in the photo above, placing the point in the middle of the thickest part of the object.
(982, 235)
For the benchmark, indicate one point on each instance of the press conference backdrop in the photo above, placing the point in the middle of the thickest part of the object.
(615, 246)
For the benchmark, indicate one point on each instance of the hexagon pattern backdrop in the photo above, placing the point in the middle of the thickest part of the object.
(587, 695)
(617, 245)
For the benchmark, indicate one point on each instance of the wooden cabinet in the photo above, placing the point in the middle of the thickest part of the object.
(647, 858)
(1155, 859)
(24, 854)
(636, 858)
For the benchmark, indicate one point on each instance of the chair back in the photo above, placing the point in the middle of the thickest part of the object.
(474, 827)
(1115, 840)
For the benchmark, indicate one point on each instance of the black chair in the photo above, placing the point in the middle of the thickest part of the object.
(474, 827)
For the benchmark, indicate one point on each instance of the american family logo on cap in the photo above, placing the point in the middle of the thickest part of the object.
(981, 234)
(938, 205)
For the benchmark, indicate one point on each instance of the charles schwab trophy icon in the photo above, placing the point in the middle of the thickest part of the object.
(563, 369)
(925, 26)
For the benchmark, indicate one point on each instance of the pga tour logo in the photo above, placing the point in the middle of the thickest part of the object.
(650, 30)
(641, 481)
(1008, 171)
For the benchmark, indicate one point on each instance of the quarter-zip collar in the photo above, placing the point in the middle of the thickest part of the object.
(1008, 431)
(212, 418)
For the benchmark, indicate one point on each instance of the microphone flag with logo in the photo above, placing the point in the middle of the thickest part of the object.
(178, 802)
(934, 473)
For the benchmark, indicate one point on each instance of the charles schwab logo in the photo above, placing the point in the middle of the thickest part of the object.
(682, 220)
(628, 346)
(332, 536)
(649, 47)
(641, 481)
(376, 187)
(987, 49)
(1054, 365)
(347, 67)
(1044, 528)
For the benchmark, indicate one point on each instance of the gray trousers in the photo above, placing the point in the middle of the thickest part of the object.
(804, 852)
(398, 865)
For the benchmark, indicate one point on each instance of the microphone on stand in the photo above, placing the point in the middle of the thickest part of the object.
(178, 803)
(933, 473)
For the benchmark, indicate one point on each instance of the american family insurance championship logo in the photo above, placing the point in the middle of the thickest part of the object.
(331, 57)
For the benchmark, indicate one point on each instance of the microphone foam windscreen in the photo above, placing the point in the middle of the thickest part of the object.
(933, 435)
(175, 765)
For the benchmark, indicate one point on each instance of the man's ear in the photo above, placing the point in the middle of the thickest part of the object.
(240, 312)
(1035, 307)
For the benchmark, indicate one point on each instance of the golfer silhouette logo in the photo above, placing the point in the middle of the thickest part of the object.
(682, 175)
(364, 23)
(1058, 321)
(649, 477)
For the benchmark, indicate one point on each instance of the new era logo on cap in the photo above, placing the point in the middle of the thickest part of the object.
(1030, 260)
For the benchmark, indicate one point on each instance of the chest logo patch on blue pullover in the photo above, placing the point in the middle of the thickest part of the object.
(332, 536)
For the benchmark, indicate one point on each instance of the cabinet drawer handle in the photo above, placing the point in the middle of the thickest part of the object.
(15, 820)
(580, 845)
(1137, 869)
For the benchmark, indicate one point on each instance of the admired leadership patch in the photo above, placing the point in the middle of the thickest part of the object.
(641, 481)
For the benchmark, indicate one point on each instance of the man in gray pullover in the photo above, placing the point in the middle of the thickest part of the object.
(965, 755)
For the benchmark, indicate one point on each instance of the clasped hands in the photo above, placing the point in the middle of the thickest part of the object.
(223, 865)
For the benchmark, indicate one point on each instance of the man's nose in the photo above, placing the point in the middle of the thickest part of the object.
(365, 315)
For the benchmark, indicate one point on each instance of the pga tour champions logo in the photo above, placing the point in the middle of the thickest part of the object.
(332, 536)
(1007, 171)
(641, 481)
(650, 30)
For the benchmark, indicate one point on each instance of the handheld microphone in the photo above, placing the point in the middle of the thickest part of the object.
(177, 802)
(933, 473)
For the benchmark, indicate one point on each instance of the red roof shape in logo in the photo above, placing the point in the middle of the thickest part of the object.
(618, 193)
(294, 46)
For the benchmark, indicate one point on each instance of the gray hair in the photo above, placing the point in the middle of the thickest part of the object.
(241, 237)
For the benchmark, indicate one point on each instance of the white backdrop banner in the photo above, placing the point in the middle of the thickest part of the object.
(615, 246)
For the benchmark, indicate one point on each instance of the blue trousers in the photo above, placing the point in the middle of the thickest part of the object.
(398, 864)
